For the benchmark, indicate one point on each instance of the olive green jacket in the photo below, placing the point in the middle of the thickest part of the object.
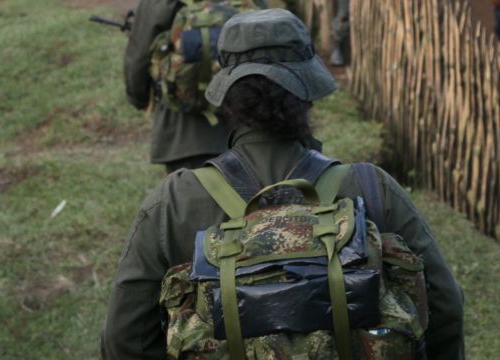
(164, 231)
(175, 135)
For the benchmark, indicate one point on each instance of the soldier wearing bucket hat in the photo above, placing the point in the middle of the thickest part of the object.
(275, 44)
(270, 76)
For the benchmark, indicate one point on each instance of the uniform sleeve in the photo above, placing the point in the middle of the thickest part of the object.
(151, 18)
(133, 326)
(444, 336)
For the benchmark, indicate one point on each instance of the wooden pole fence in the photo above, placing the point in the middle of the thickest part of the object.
(434, 81)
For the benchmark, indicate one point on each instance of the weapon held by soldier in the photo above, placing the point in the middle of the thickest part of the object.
(124, 26)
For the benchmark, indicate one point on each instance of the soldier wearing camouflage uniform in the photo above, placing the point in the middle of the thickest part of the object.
(178, 139)
(268, 98)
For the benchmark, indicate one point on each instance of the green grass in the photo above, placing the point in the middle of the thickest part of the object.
(474, 260)
(59, 75)
(56, 272)
(345, 134)
(67, 133)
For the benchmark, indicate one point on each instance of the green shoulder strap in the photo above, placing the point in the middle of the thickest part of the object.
(234, 206)
(219, 189)
(338, 299)
(328, 184)
(229, 249)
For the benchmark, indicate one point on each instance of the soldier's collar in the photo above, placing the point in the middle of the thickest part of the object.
(246, 135)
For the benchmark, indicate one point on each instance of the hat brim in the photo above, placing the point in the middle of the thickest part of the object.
(308, 80)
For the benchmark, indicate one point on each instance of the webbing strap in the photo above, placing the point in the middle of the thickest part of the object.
(206, 73)
(230, 309)
(340, 316)
(206, 66)
(229, 248)
(210, 116)
(223, 194)
(328, 184)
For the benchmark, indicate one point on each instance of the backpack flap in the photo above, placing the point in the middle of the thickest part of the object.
(285, 231)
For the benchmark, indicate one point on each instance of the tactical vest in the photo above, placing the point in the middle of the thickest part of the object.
(311, 278)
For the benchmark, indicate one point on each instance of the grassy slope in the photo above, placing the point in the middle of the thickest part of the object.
(59, 75)
(68, 134)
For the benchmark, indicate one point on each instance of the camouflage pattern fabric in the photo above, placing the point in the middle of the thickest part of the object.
(278, 232)
(183, 81)
(287, 232)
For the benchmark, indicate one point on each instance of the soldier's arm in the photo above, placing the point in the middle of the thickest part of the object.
(151, 18)
(444, 336)
(133, 329)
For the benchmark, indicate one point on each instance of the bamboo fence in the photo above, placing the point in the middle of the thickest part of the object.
(421, 68)
(322, 12)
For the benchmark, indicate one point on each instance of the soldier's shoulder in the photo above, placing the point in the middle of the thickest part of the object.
(364, 168)
(181, 184)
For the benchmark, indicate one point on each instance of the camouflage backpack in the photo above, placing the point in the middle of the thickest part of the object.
(263, 284)
(184, 58)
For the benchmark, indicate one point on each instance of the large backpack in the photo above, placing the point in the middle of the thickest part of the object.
(263, 284)
(184, 58)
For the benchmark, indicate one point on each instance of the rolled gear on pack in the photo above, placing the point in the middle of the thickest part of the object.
(263, 284)
(184, 58)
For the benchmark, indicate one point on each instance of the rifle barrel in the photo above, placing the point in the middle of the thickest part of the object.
(102, 20)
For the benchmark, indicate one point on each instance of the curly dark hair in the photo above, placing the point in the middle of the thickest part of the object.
(259, 103)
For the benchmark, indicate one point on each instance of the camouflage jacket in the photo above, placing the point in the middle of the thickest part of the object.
(163, 236)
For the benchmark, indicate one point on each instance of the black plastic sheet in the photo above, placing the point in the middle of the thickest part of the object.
(302, 306)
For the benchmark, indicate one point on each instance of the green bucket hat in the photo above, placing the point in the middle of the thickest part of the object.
(273, 43)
